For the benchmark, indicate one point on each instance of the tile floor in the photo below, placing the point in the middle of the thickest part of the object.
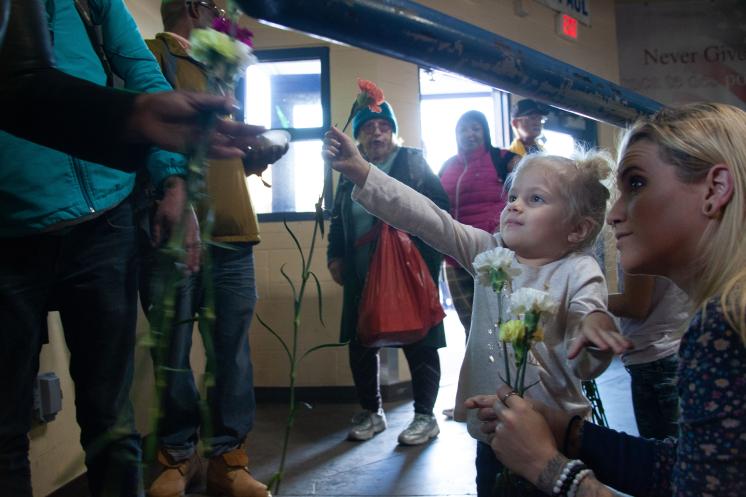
(321, 463)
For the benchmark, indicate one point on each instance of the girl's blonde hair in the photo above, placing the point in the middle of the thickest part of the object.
(693, 138)
(581, 185)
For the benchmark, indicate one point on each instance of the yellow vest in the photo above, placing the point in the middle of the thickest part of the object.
(517, 147)
(235, 219)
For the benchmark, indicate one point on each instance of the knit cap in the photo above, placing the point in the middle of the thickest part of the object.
(366, 115)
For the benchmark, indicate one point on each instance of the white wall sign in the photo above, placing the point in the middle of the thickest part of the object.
(680, 51)
(579, 9)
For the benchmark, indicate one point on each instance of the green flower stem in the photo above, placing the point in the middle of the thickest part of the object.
(504, 344)
(162, 316)
(294, 361)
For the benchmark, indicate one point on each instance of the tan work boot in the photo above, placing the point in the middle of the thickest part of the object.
(228, 476)
(175, 476)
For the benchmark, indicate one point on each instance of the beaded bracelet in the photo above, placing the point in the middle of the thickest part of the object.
(566, 477)
(576, 481)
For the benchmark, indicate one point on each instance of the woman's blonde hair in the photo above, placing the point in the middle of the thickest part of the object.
(581, 185)
(693, 138)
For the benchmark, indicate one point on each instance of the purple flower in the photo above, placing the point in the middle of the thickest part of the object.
(224, 25)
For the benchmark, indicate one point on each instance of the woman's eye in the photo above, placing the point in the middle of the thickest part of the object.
(636, 182)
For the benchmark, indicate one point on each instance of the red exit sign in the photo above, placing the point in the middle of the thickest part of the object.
(567, 27)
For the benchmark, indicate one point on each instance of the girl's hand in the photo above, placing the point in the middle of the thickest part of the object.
(522, 439)
(598, 330)
(341, 152)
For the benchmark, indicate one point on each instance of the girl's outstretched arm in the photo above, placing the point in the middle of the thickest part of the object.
(344, 156)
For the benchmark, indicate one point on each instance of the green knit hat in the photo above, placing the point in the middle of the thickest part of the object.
(366, 115)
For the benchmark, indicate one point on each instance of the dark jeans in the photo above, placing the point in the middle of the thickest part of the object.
(231, 400)
(88, 273)
(655, 398)
(424, 365)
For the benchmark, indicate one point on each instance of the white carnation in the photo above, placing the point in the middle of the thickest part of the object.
(225, 57)
(529, 299)
(498, 259)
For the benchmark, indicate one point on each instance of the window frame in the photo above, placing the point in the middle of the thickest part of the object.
(320, 53)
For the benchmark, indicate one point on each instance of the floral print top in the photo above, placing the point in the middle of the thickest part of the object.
(709, 458)
(711, 453)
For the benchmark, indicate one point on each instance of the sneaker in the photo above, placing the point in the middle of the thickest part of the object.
(367, 424)
(228, 476)
(422, 428)
(175, 476)
(448, 413)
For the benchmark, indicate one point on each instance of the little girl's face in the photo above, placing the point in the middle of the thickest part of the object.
(534, 223)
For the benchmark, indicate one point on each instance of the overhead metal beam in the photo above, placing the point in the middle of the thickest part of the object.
(409, 31)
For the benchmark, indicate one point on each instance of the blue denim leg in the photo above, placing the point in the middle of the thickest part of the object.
(488, 466)
(231, 400)
(178, 426)
(26, 279)
(88, 271)
(96, 292)
(655, 398)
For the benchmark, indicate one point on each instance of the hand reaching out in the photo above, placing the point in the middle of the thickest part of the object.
(169, 214)
(176, 121)
(341, 152)
(261, 155)
(598, 330)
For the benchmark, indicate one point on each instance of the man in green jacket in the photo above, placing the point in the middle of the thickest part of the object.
(231, 401)
(68, 243)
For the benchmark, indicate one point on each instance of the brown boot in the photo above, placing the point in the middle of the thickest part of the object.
(175, 476)
(228, 476)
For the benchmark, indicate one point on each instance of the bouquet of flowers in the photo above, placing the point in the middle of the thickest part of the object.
(225, 49)
(530, 306)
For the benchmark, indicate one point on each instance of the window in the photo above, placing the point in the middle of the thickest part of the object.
(289, 89)
(444, 97)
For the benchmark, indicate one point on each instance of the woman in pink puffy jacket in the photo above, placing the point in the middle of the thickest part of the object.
(474, 181)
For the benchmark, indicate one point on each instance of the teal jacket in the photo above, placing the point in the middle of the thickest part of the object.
(41, 187)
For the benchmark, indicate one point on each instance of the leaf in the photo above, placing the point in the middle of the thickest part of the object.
(322, 346)
(297, 243)
(278, 337)
(290, 282)
(318, 292)
(354, 110)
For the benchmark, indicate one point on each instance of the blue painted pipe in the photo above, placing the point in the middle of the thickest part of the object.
(406, 30)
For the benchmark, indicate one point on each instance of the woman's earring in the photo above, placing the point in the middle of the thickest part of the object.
(709, 210)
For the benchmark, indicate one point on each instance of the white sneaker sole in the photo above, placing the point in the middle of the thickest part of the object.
(363, 438)
(427, 437)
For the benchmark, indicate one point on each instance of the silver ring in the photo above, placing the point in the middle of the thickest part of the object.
(504, 398)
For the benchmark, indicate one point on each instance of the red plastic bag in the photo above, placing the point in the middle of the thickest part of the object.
(400, 301)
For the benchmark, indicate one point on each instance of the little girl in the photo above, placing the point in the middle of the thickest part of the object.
(555, 209)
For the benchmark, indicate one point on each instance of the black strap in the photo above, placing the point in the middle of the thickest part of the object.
(501, 158)
(169, 65)
(96, 37)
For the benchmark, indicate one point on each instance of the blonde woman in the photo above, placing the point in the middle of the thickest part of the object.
(680, 214)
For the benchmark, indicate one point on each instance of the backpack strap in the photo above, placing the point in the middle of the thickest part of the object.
(96, 37)
(169, 65)
(500, 159)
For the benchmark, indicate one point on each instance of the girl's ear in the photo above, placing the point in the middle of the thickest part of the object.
(719, 184)
(580, 231)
